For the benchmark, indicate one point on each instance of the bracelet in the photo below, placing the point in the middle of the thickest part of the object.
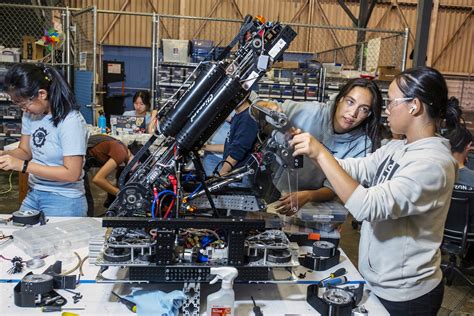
(231, 166)
(25, 166)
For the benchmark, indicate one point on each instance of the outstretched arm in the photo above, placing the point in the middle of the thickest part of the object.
(341, 181)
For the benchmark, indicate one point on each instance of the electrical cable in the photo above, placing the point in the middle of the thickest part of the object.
(77, 265)
(10, 184)
(195, 191)
(81, 272)
(169, 209)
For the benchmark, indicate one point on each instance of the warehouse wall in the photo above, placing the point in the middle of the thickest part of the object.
(452, 29)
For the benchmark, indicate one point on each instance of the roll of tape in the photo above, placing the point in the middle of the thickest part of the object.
(37, 283)
(324, 249)
(26, 217)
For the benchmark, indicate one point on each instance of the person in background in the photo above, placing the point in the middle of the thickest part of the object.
(142, 105)
(109, 155)
(214, 148)
(461, 142)
(349, 126)
(53, 141)
(401, 192)
(240, 142)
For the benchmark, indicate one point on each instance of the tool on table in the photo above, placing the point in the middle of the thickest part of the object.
(256, 309)
(339, 272)
(333, 282)
(53, 308)
(130, 305)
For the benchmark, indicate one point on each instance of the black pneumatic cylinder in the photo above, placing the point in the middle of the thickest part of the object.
(202, 118)
(199, 90)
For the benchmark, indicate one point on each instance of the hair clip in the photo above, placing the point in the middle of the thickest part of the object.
(47, 74)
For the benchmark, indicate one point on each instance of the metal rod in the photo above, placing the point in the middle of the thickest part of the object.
(405, 48)
(153, 62)
(170, 16)
(68, 44)
(94, 61)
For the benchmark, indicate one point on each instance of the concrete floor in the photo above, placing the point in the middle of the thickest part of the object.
(458, 298)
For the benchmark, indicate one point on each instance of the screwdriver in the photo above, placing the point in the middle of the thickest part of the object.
(339, 272)
(256, 309)
(54, 308)
(333, 281)
(130, 305)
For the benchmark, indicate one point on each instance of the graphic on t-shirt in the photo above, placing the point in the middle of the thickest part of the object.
(385, 171)
(39, 137)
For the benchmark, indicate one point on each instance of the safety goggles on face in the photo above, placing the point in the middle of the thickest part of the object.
(389, 104)
(24, 104)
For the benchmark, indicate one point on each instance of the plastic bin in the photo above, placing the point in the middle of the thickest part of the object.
(52, 237)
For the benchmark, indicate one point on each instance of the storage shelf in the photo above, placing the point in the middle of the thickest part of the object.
(10, 117)
(172, 84)
(9, 135)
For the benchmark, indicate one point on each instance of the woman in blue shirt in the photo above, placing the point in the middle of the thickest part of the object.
(142, 106)
(53, 141)
(349, 126)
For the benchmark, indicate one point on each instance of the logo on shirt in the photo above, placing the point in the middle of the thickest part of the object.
(39, 137)
(385, 171)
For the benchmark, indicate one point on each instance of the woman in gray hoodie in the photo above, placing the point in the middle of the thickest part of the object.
(401, 193)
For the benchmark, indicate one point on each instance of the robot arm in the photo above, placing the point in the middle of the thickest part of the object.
(186, 125)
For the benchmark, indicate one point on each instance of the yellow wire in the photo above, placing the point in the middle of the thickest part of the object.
(10, 182)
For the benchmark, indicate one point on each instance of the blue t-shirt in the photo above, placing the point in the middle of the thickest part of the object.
(50, 144)
(317, 119)
(242, 136)
(133, 113)
(465, 179)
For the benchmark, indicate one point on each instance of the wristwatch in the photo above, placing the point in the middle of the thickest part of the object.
(25, 166)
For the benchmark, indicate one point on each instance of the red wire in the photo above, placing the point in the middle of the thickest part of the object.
(169, 210)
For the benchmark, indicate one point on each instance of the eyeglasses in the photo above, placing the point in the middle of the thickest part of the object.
(25, 104)
(389, 104)
(363, 110)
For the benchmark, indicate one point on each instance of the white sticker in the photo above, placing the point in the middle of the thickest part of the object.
(250, 80)
(277, 48)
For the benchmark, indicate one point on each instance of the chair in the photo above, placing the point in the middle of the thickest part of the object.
(458, 235)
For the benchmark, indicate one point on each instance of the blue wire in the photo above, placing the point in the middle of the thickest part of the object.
(153, 207)
(195, 190)
(189, 175)
(167, 192)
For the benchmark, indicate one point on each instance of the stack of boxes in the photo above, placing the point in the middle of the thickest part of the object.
(200, 50)
(300, 81)
(172, 76)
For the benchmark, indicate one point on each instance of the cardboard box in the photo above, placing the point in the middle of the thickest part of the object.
(387, 73)
(31, 49)
(287, 64)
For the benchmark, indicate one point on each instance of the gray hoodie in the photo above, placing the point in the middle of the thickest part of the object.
(316, 119)
(403, 200)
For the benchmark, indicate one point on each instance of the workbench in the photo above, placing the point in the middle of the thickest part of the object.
(274, 299)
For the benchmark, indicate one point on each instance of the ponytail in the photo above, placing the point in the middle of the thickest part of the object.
(453, 114)
(60, 95)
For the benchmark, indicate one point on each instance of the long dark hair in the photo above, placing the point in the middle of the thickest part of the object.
(428, 85)
(459, 138)
(25, 80)
(371, 125)
(146, 98)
